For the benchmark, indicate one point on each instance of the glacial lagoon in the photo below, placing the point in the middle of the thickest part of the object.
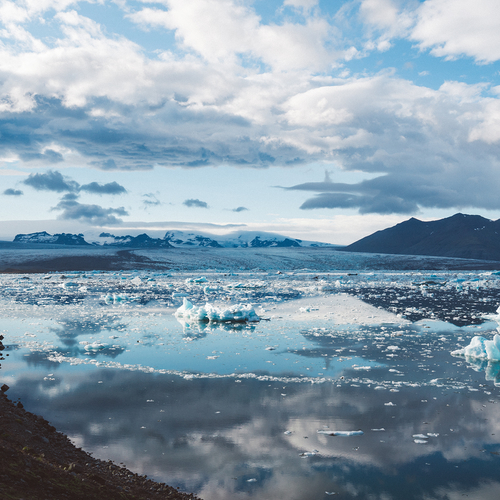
(345, 388)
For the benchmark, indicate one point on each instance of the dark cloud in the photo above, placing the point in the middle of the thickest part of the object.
(240, 209)
(93, 214)
(109, 188)
(13, 192)
(400, 193)
(176, 136)
(51, 181)
(195, 203)
(48, 156)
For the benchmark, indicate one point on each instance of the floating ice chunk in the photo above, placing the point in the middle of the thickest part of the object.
(210, 313)
(420, 441)
(308, 454)
(136, 281)
(68, 285)
(96, 346)
(420, 436)
(481, 348)
(341, 433)
(201, 279)
(116, 298)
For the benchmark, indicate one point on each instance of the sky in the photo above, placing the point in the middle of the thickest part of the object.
(322, 120)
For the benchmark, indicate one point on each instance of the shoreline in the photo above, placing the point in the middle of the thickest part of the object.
(38, 462)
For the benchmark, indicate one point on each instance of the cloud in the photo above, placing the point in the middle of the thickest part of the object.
(51, 181)
(109, 188)
(150, 200)
(240, 209)
(49, 156)
(13, 192)
(402, 193)
(195, 203)
(233, 88)
(92, 214)
(223, 31)
(455, 28)
(54, 181)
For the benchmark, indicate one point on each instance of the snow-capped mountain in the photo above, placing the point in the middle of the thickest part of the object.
(54, 239)
(174, 239)
(140, 241)
(237, 239)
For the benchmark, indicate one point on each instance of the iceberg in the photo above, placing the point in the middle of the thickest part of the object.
(210, 313)
(481, 348)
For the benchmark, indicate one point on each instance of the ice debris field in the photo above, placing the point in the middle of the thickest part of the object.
(278, 374)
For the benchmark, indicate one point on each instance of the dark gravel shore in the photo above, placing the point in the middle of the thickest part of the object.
(39, 463)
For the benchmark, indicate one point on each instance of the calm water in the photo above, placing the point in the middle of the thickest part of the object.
(233, 412)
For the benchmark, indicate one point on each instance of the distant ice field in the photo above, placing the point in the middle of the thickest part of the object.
(344, 385)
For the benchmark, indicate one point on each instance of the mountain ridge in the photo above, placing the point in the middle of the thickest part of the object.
(459, 236)
(172, 239)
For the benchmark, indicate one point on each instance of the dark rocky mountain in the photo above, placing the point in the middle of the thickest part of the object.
(177, 238)
(55, 239)
(462, 236)
(257, 242)
(140, 241)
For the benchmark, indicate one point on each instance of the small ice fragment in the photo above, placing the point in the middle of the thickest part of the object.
(419, 436)
(201, 279)
(378, 430)
(420, 441)
(136, 281)
(70, 284)
(341, 433)
(308, 454)
(95, 346)
(330, 493)
(433, 434)
(270, 348)
(253, 480)
(287, 433)
(390, 403)
(150, 400)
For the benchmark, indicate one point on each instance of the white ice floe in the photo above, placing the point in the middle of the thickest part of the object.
(96, 346)
(211, 313)
(481, 348)
(201, 279)
(341, 433)
(116, 298)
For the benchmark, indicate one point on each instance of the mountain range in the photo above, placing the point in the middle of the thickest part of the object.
(172, 239)
(461, 235)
